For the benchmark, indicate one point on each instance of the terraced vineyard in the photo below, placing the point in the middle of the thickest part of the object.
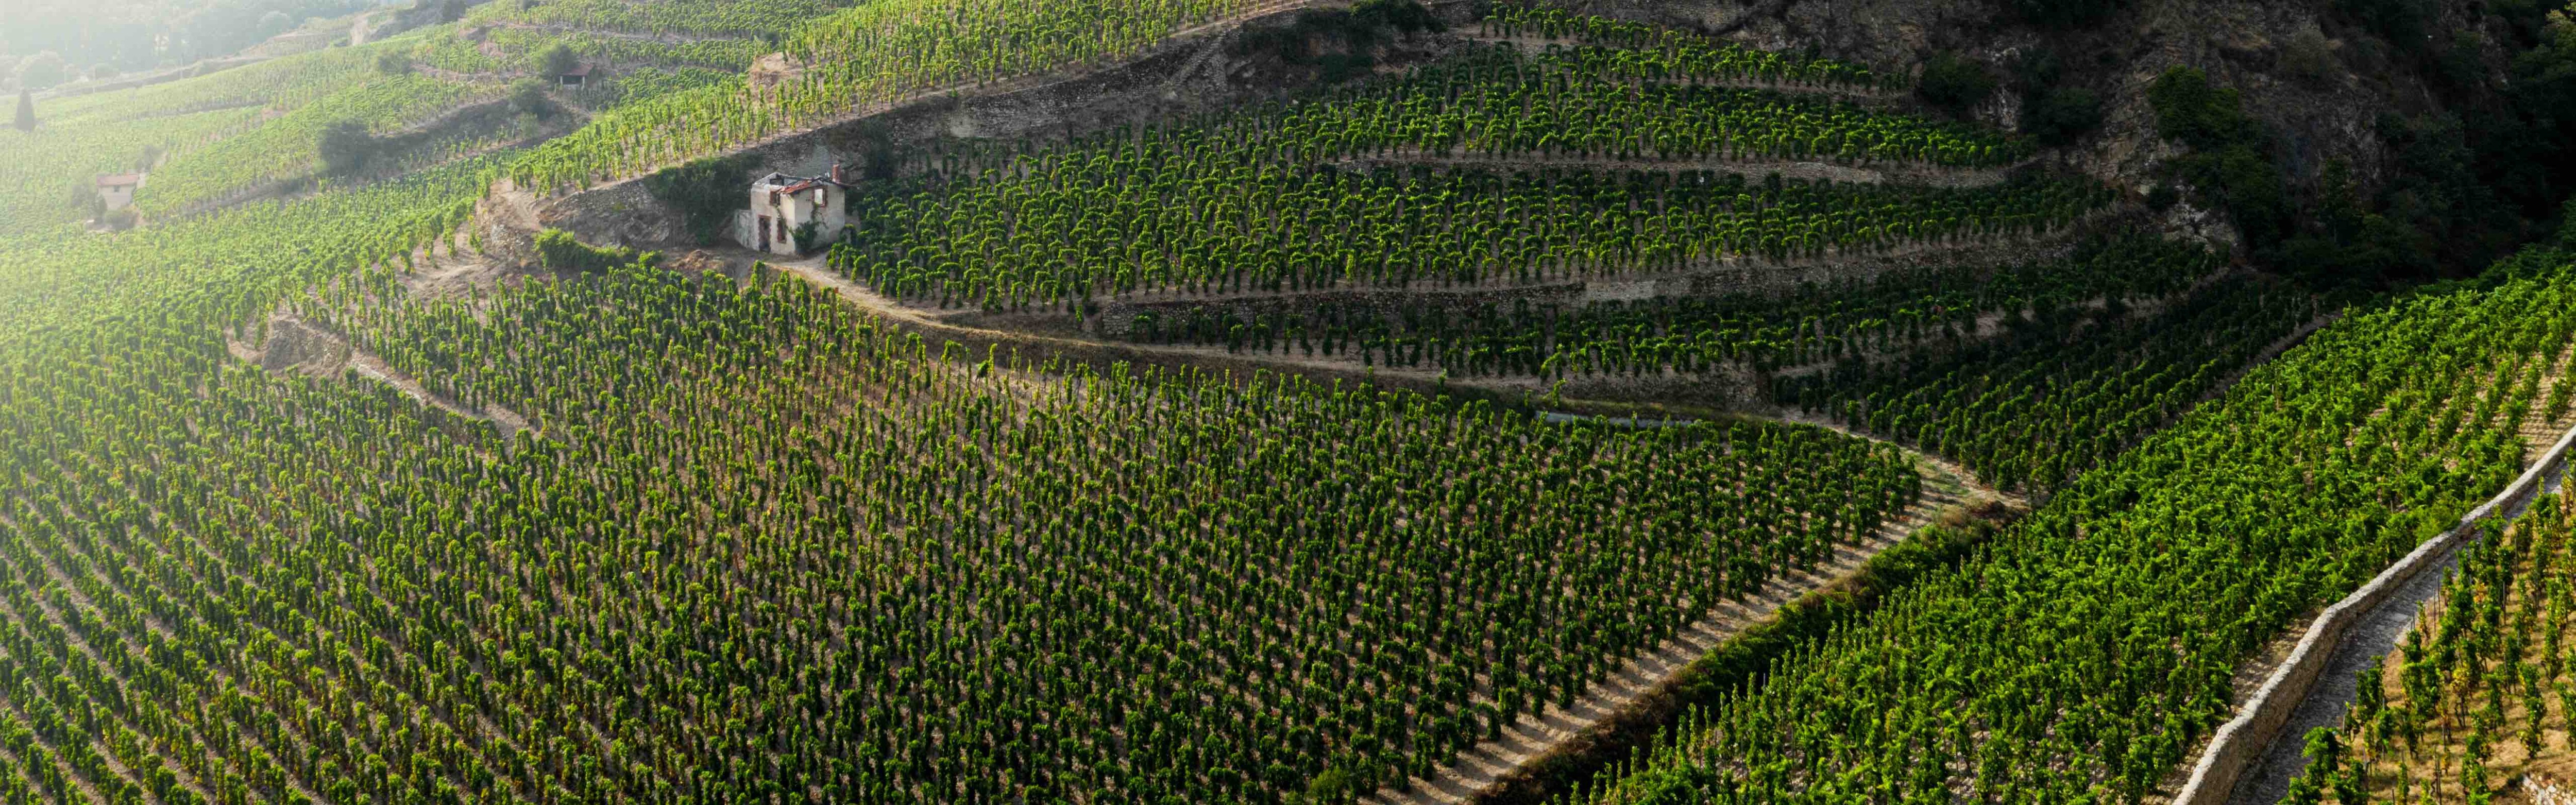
(1327, 193)
(2035, 406)
(2092, 645)
(864, 57)
(306, 496)
(2026, 374)
(418, 630)
(2476, 696)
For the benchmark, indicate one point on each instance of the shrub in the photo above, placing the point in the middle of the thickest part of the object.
(2229, 163)
(528, 97)
(346, 146)
(1954, 82)
(2192, 111)
(1359, 30)
(559, 250)
(2310, 56)
(41, 71)
(705, 193)
(1406, 17)
(560, 60)
(2401, 22)
(2163, 197)
(2060, 116)
(2063, 13)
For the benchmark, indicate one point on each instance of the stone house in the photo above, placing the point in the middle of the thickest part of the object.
(782, 205)
(117, 192)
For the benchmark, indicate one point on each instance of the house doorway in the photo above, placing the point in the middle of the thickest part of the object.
(764, 233)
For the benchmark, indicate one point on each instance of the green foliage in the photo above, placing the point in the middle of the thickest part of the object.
(1685, 785)
(1405, 17)
(346, 147)
(559, 250)
(42, 71)
(1351, 36)
(2162, 197)
(1044, 239)
(1133, 211)
(808, 235)
(2093, 643)
(1236, 474)
(2063, 13)
(2062, 115)
(2352, 245)
(1333, 787)
(2063, 388)
(2401, 22)
(2478, 671)
(558, 60)
(1954, 82)
(393, 62)
(2310, 56)
(1633, 50)
(705, 193)
(861, 56)
(2191, 110)
(528, 97)
(2230, 163)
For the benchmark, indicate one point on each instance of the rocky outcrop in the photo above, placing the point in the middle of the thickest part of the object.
(2319, 86)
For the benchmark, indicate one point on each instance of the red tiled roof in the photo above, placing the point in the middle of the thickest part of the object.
(121, 180)
(582, 71)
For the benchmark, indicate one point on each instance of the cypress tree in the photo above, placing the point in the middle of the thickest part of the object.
(26, 111)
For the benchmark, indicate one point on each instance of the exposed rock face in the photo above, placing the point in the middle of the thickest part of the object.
(2319, 85)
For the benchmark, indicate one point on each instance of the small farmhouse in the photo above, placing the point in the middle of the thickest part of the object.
(117, 192)
(783, 205)
(576, 78)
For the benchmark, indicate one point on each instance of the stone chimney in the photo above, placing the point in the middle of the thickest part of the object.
(836, 175)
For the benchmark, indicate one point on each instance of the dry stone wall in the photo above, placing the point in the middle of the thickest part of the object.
(2240, 742)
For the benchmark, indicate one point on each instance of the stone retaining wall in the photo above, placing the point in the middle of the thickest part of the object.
(2241, 740)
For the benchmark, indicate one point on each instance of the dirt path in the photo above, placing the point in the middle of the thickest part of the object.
(296, 345)
(510, 422)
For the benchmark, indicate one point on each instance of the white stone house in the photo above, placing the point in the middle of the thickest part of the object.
(117, 192)
(782, 204)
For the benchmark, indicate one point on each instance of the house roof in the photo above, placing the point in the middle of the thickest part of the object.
(578, 71)
(121, 180)
(784, 183)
